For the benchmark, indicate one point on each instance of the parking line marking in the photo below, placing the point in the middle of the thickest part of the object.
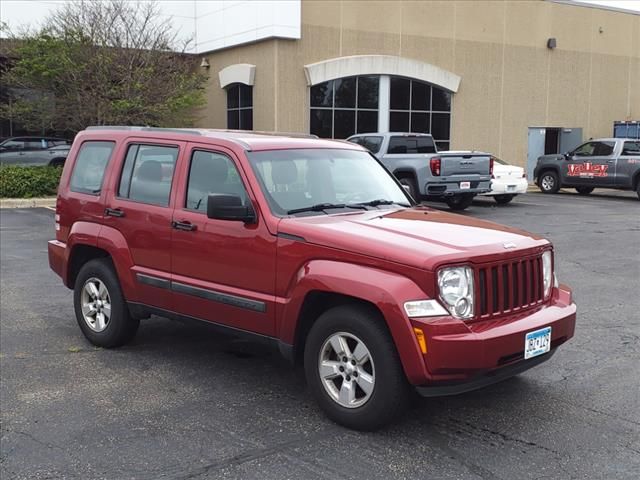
(51, 208)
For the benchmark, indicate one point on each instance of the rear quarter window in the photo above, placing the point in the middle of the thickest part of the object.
(89, 167)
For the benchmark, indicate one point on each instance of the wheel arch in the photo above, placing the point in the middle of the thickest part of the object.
(81, 253)
(323, 284)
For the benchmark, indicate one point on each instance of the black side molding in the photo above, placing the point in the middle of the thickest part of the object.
(153, 281)
(215, 296)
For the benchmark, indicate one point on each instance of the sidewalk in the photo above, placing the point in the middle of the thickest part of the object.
(28, 202)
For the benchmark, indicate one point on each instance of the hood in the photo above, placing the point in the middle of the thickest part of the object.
(421, 237)
(551, 157)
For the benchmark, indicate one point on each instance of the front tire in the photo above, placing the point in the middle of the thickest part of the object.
(503, 199)
(548, 182)
(353, 369)
(459, 202)
(100, 307)
(584, 190)
(411, 185)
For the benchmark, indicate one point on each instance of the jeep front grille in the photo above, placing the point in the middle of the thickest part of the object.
(509, 286)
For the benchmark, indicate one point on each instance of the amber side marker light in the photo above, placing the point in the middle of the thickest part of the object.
(421, 341)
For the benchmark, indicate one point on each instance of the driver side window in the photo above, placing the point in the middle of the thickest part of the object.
(209, 173)
(585, 150)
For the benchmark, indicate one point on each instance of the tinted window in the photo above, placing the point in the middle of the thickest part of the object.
(342, 107)
(603, 148)
(370, 143)
(36, 144)
(90, 165)
(240, 107)
(147, 174)
(631, 148)
(422, 144)
(211, 173)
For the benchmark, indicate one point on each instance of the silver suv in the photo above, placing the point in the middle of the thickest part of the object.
(33, 151)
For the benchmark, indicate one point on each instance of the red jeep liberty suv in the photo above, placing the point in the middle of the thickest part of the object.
(311, 246)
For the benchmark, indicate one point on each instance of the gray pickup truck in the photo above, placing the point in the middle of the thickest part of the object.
(598, 163)
(455, 177)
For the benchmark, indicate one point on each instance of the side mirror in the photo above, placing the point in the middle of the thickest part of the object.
(567, 156)
(223, 206)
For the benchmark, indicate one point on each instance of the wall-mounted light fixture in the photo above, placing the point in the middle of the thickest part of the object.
(205, 63)
(551, 43)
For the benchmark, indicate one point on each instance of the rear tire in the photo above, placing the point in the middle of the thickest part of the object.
(101, 310)
(548, 182)
(459, 202)
(584, 190)
(638, 189)
(503, 199)
(364, 395)
(412, 186)
(57, 162)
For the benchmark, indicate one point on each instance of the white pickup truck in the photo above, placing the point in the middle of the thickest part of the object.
(454, 177)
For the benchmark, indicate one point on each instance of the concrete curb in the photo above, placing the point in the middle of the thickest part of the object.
(27, 202)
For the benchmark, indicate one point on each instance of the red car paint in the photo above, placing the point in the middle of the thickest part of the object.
(385, 257)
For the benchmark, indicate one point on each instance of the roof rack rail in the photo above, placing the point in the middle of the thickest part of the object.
(144, 129)
(270, 134)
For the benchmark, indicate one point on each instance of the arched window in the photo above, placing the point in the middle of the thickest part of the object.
(239, 106)
(370, 103)
(343, 107)
(416, 106)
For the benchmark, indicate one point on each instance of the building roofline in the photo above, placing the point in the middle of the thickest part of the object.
(578, 3)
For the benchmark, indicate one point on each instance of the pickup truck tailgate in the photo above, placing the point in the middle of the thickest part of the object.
(464, 164)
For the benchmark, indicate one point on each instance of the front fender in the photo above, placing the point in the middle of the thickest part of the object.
(387, 291)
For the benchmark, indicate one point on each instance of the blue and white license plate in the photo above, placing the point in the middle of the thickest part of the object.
(537, 342)
(511, 188)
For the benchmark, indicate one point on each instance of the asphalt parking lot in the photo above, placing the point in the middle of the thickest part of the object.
(183, 403)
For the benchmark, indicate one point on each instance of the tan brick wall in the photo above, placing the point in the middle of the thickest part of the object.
(510, 80)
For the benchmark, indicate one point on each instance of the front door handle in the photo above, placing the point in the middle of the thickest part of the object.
(113, 212)
(611, 161)
(186, 226)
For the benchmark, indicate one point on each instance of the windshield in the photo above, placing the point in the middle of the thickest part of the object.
(316, 180)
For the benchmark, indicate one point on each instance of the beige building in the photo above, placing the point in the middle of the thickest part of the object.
(515, 78)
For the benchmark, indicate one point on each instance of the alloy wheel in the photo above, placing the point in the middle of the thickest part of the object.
(96, 304)
(346, 370)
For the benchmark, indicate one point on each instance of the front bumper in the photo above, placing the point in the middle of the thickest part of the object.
(464, 356)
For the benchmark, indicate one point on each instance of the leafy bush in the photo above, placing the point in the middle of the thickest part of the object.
(28, 182)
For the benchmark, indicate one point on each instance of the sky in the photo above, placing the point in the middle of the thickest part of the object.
(20, 13)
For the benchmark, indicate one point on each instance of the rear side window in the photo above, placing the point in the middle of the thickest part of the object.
(91, 163)
(370, 143)
(631, 148)
(421, 144)
(147, 174)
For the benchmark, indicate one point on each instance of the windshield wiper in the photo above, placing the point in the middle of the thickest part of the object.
(381, 201)
(320, 207)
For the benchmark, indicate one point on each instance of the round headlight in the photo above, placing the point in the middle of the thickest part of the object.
(455, 285)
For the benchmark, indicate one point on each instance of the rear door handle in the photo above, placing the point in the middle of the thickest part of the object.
(186, 226)
(113, 212)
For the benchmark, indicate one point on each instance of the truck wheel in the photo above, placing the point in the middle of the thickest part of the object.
(459, 202)
(101, 310)
(57, 162)
(584, 190)
(503, 199)
(353, 369)
(638, 190)
(548, 182)
(411, 185)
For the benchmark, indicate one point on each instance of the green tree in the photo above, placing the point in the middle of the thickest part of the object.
(113, 62)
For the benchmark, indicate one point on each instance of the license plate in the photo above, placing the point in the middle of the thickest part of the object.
(537, 342)
(511, 188)
(465, 185)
